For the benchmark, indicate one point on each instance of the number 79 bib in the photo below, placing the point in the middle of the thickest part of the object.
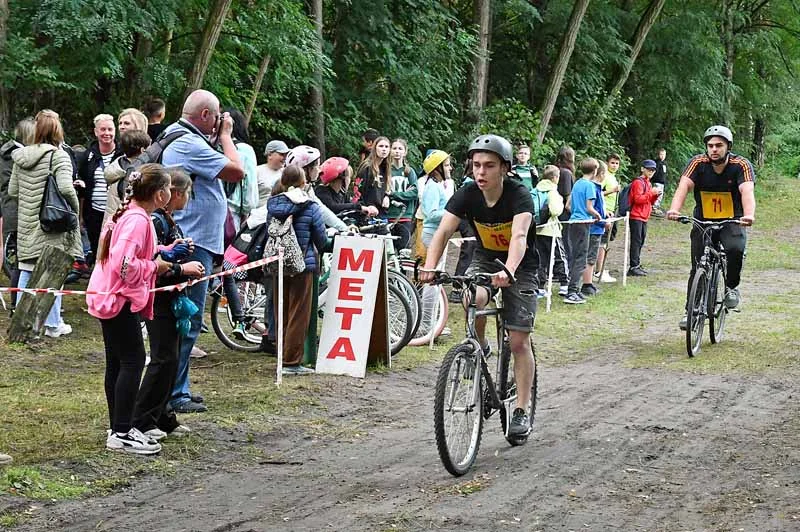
(716, 205)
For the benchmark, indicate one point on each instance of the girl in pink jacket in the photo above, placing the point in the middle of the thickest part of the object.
(126, 270)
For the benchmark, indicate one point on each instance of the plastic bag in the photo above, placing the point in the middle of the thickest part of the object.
(184, 308)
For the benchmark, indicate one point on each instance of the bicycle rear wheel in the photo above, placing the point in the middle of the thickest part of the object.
(508, 390)
(411, 295)
(717, 311)
(696, 312)
(253, 300)
(458, 409)
(399, 320)
(432, 322)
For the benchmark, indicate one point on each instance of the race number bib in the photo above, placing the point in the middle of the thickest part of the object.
(495, 237)
(716, 205)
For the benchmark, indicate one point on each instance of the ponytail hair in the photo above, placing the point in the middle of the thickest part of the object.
(292, 176)
(144, 183)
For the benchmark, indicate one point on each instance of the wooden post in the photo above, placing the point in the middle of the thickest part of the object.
(50, 272)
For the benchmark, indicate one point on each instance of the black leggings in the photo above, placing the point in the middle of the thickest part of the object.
(125, 354)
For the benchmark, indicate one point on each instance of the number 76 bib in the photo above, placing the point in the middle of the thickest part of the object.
(716, 205)
(494, 237)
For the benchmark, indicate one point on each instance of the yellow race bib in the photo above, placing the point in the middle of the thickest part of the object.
(716, 205)
(495, 237)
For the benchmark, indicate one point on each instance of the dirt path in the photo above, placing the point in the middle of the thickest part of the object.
(614, 449)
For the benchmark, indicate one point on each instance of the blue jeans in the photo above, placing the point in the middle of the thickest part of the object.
(197, 293)
(54, 317)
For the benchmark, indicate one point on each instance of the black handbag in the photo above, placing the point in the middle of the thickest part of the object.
(55, 213)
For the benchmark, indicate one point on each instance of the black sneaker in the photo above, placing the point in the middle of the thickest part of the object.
(574, 299)
(589, 290)
(520, 424)
(268, 346)
(637, 272)
(454, 297)
(190, 407)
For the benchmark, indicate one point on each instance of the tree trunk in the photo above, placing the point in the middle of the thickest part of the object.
(560, 68)
(649, 18)
(317, 96)
(536, 57)
(759, 129)
(51, 271)
(480, 64)
(216, 19)
(730, 55)
(168, 47)
(141, 51)
(5, 108)
(262, 71)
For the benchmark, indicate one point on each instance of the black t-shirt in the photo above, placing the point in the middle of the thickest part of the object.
(492, 225)
(716, 195)
(565, 179)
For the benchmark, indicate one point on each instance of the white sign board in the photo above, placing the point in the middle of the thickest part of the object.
(349, 306)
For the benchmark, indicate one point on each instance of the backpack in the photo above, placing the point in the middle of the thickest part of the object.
(248, 246)
(624, 200)
(541, 210)
(153, 154)
(282, 235)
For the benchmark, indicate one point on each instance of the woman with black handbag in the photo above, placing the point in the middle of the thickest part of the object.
(34, 166)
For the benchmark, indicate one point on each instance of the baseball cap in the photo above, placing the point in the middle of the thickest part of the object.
(276, 146)
(649, 163)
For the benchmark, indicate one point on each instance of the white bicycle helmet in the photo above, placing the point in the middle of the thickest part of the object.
(302, 156)
(718, 131)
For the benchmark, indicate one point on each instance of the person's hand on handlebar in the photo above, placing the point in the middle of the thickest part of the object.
(673, 215)
(426, 275)
(500, 280)
(369, 210)
(747, 221)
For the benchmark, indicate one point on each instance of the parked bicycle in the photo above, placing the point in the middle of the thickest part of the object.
(706, 297)
(466, 393)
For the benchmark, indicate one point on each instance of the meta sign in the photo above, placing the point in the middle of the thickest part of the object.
(353, 289)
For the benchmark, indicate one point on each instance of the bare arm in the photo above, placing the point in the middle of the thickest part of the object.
(684, 187)
(234, 170)
(591, 210)
(747, 190)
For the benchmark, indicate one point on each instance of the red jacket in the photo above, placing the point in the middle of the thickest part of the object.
(641, 198)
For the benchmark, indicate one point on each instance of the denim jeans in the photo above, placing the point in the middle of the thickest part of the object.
(197, 293)
(54, 317)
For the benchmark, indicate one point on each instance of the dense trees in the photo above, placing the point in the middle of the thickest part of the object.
(601, 75)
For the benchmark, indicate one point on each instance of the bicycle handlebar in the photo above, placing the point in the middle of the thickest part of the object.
(478, 278)
(708, 223)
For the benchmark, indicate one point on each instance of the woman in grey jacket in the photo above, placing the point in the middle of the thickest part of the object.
(32, 165)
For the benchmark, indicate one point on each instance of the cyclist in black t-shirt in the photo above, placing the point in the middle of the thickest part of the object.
(723, 185)
(500, 211)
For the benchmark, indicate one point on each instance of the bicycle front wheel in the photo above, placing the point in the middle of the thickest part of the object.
(253, 300)
(717, 311)
(458, 409)
(508, 391)
(696, 312)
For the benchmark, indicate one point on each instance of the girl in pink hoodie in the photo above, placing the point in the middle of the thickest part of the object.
(126, 270)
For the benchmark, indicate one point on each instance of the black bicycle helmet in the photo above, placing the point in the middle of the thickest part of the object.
(495, 144)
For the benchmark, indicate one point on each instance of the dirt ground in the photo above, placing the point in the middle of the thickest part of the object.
(614, 448)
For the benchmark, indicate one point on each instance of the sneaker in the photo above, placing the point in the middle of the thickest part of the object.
(203, 327)
(563, 290)
(240, 330)
(62, 330)
(197, 398)
(197, 353)
(637, 272)
(134, 442)
(455, 296)
(297, 370)
(180, 431)
(574, 299)
(658, 213)
(447, 331)
(155, 434)
(589, 290)
(540, 293)
(268, 346)
(190, 407)
(606, 278)
(682, 324)
(732, 298)
(5, 459)
(520, 424)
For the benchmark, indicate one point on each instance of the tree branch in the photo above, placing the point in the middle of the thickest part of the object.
(189, 34)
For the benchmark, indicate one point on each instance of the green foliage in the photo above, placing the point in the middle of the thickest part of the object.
(518, 123)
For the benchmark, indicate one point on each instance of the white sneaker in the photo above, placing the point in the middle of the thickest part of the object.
(563, 290)
(134, 442)
(606, 277)
(155, 434)
(62, 330)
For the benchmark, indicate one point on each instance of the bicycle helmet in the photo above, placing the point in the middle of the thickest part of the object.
(495, 144)
(433, 160)
(332, 168)
(302, 156)
(718, 131)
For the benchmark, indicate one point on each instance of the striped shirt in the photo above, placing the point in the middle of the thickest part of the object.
(100, 190)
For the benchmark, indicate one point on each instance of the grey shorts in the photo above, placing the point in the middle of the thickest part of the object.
(594, 248)
(519, 299)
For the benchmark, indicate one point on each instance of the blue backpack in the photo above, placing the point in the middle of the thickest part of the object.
(541, 211)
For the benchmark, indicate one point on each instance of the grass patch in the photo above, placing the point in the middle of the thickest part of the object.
(39, 484)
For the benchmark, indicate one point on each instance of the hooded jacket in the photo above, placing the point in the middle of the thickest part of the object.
(8, 205)
(307, 222)
(642, 197)
(28, 179)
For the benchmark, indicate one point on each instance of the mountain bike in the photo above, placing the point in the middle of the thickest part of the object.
(706, 297)
(466, 393)
(253, 299)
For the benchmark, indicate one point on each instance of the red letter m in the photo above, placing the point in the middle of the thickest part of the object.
(348, 261)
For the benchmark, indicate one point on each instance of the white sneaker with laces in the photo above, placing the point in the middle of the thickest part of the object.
(134, 442)
(155, 434)
(63, 329)
(606, 277)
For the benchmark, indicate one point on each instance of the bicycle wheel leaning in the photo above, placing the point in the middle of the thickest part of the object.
(717, 311)
(253, 300)
(411, 295)
(399, 320)
(458, 409)
(508, 390)
(696, 312)
(432, 324)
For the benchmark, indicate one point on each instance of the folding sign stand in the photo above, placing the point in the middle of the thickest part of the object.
(355, 328)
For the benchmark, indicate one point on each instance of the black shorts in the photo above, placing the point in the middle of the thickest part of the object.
(519, 299)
